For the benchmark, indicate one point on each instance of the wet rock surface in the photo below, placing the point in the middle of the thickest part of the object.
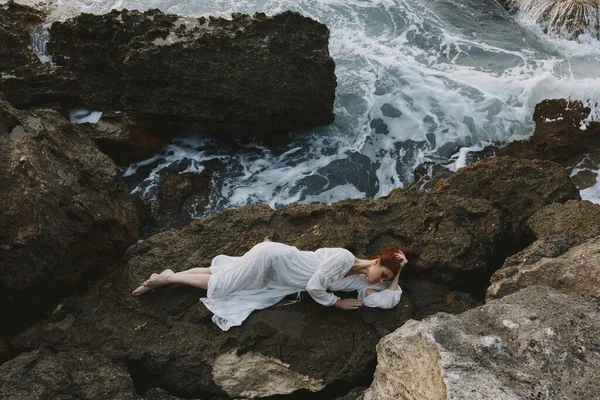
(249, 75)
(575, 271)
(44, 374)
(520, 187)
(181, 196)
(64, 213)
(536, 343)
(577, 219)
(168, 340)
(127, 141)
(17, 22)
(561, 133)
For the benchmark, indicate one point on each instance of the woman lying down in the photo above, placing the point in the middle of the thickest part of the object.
(267, 273)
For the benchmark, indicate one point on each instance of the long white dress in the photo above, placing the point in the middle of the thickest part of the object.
(270, 271)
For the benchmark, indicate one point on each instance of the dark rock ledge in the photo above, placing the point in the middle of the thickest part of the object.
(65, 220)
(251, 75)
(166, 339)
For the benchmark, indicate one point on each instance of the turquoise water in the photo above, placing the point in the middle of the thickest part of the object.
(418, 80)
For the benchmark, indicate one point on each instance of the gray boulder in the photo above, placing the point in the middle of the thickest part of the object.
(537, 343)
(554, 263)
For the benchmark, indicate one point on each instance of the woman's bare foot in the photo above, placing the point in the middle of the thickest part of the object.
(155, 280)
(158, 280)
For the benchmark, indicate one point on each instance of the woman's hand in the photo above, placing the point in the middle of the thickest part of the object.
(400, 256)
(349, 304)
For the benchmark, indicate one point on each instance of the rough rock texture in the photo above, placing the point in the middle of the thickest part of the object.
(180, 196)
(64, 214)
(126, 141)
(25, 80)
(168, 336)
(426, 176)
(249, 75)
(558, 135)
(17, 22)
(520, 187)
(4, 350)
(576, 271)
(252, 375)
(43, 374)
(574, 219)
(537, 343)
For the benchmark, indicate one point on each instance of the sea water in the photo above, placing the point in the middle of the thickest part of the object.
(418, 81)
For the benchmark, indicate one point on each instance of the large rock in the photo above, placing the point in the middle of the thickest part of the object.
(43, 374)
(519, 187)
(573, 218)
(167, 335)
(64, 214)
(546, 263)
(246, 75)
(126, 140)
(17, 23)
(180, 196)
(561, 133)
(537, 343)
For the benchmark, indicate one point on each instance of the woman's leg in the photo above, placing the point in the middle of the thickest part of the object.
(156, 280)
(190, 279)
(198, 270)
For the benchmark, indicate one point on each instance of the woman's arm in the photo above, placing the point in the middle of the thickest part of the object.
(332, 267)
(389, 297)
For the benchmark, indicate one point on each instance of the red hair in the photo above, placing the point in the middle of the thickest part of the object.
(387, 258)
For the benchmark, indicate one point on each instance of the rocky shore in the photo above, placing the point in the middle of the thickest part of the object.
(507, 308)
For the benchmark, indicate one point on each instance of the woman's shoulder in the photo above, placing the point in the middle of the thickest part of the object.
(335, 252)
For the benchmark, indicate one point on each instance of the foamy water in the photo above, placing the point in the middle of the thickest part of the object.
(417, 81)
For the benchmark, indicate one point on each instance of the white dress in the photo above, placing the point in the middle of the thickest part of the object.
(270, 271)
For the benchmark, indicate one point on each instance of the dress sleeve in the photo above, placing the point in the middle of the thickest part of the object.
(384, 298)
(317, 288)
(333, 266)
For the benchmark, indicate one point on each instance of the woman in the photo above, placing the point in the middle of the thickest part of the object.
(270, 271)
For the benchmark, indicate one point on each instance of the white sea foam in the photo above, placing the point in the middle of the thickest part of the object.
(83, 116)
(417, 81)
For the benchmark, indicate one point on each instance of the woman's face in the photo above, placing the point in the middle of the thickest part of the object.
(378, 273)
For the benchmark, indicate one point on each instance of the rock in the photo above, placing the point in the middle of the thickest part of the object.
(166, 335)
(520, 187)
(43, 374)
(17, 23)
(426, 176)
(430, 298)
(253, 375)
(127, 141)
(354, 394)
(180, 196)
(576, 271)
(24, 79)
(64, 214)
(251, 75)
(574, 219)
(4, 350)
(536, 343)
(558, 134)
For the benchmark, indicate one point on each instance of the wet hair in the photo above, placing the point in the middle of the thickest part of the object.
(387, 258)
